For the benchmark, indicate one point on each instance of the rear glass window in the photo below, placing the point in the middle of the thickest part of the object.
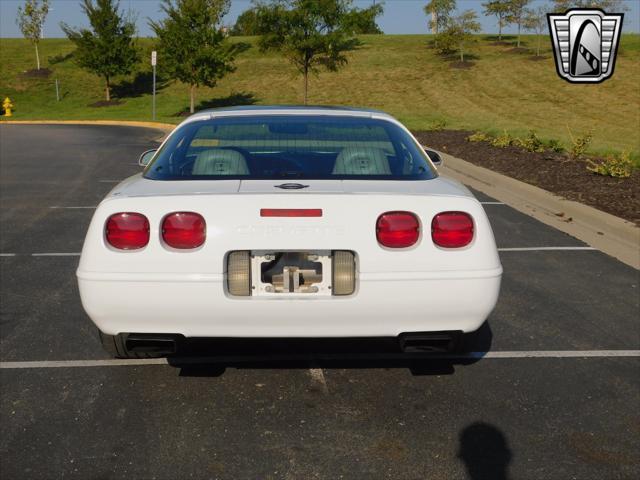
(290, 147)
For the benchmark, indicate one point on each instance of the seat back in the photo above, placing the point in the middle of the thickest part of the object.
(362, 161)
(220, 161)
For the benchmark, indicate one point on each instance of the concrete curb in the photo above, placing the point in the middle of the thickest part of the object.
(166, 128)
(608, 233)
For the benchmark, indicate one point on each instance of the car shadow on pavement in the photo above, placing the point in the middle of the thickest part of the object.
(211, 357)
(485, 452)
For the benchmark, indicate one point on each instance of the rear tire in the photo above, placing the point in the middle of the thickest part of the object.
(116, 346)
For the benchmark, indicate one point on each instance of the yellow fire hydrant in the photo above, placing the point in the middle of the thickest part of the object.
(7, 105)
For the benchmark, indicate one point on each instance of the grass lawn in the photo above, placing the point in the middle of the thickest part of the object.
(395, 73)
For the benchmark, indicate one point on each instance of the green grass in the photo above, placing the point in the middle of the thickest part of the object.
(395, 73)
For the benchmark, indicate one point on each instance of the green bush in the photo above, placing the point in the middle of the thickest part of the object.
(531, 142)
(619, 166)
(554, 145)
(479, 137)
(437, 125)
(580, 144)
(503, 140)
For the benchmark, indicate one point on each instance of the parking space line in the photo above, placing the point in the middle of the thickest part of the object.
(317, 376)
(55, 254)
(316, 373)
(57, 207)
(544, 249)
(492, 203)
(7, 254)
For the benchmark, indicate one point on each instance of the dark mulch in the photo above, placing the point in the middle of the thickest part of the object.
(501, 44)
(104, 103)
(518, 50)
(462, 65)
(35, 73)
(549, 170)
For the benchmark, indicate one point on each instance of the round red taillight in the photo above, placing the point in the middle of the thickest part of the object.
(127, 231)
(184, 230)
(452, 229)
(397, 229)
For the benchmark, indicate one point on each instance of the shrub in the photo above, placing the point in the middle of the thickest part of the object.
(479, 137)
(502, 141)
(437, 125)
(531, 142)
(618, 166)
(580, 144)
(554, 145)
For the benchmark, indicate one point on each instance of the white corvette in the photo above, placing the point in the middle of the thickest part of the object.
(288, 222)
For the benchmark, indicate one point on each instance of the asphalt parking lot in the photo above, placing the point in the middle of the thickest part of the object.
(555, 397)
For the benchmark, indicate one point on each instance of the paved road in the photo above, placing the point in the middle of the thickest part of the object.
(520, 418)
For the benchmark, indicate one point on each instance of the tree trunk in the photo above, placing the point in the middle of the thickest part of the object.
(192, 103)
(518, 34)
(499, 29)
(107, 89)
(37, 57)
(538, 46)
(306, 84)
(461, 54)
(434, 23)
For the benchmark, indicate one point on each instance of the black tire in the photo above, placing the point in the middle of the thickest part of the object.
(116, 346)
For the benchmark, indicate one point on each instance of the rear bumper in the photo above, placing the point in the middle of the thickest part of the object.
(196, 306)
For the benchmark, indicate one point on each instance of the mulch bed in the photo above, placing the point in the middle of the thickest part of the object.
(549, 170)
(35, 73)
(104, 103)
(461, 65)
(518, 50)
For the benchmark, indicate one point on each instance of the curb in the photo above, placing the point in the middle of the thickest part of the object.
(166, 128)
(610, 234)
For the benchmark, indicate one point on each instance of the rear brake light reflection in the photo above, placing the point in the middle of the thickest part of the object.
(184, 230)
(452, 229)
(127, 231)
(397, 229)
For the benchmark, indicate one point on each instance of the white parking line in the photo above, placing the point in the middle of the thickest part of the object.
(544, 249)
(316, 373)
(7, 254)
(55, 254)
(57, 207)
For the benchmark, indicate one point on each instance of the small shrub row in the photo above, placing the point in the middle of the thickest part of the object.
(617, 166)
(531, 142)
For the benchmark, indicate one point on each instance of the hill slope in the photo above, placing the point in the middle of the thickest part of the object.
(395, 73)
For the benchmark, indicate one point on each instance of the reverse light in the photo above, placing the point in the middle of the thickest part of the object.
(184, 230)
(127, 231)
(397, 229)
(452, 229)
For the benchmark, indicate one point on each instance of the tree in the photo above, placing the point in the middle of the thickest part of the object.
(246, 24)
(499, 8)
(310, 33)
(193, 45)
(109, 48)
(609, 6)
(440, 12)
(516, 14)
(363, 21)
(31, 20)
(535, 21)
(459, 32)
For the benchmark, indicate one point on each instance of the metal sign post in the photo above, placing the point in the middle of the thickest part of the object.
(154, 61)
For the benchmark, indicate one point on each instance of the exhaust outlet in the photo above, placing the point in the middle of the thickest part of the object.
(429, 342)
(152, 344)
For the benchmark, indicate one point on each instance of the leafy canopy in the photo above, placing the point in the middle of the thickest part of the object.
(108, 48)
(192, 46)
(31, 19)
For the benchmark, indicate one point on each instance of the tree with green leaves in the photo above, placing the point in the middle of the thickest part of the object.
(500, 9)
(363, 20)
(440, 12)
(246, 24)
(31, 20)
(609, 6)
(312, 34)
(516, 13)
(535, 20)
(108, 48)
(192, 44)
(459, 32)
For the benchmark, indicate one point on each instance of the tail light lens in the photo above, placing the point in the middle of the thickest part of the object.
(184, 230)
(452, 229)
(127, 231)
(397, 229)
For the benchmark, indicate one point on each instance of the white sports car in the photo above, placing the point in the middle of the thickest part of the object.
(295, 222)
